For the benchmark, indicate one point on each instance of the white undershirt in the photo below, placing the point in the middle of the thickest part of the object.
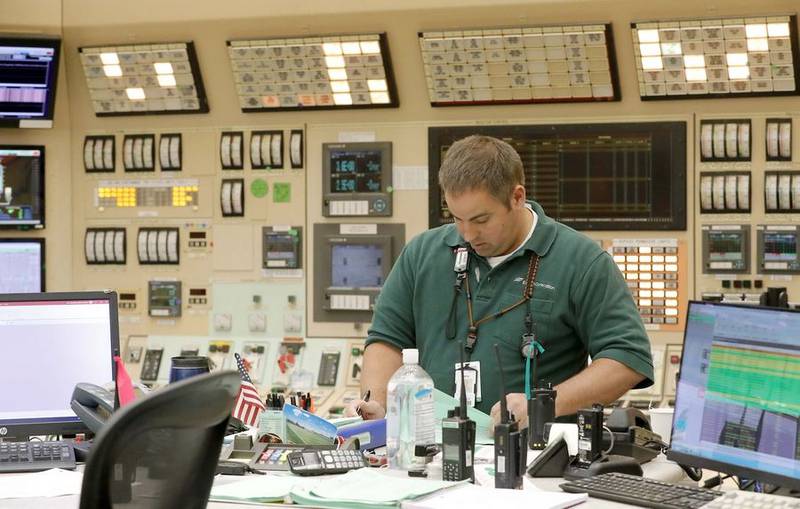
(494, 261)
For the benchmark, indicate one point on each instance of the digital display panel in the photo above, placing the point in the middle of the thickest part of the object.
(357, 265)
(588, 176)
(725, 246)
(355, 171)
(21, 187)
(165, 298)
(737, 407)
(22, 262)
(281, 249)
(28, 76)
(780, 246)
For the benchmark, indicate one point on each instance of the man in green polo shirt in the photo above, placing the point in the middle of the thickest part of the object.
(579, 305)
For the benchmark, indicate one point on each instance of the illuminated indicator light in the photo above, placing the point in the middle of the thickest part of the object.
(696, 74)
(672, 294)
(646, 258)
(658, 284)
(671, 259)
(671, 48)
(351, 48)
(337, 74)
(632, 267)
(646, 275)
(376, 85)
(652, 63)
(340, 86)
(645, 293)
(672, 303)
(166, 80)
(757, 45)
(645, 250)
(645, 302)
(334, 62)
(379, 97)
(645, 284)
(619, 258)
(694, 60)
(672, 268)
(778, 29)
(645, 267)
(135, 94)
(342, 99)
(112, 71)
(163, 68)
(671, 312)
(658, 259)
(332, 49)
(738, 73)
(370, 47)
(109, 58)
(736, 59)
(632, 276)
(755, 31)
(649, 35)
(650, 50)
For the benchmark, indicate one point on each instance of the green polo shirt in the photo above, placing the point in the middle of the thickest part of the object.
(581, 307)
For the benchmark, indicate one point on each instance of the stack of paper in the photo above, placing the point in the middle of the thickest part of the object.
(260, 488)
(366, 488)
(48, 483)
(475, 496)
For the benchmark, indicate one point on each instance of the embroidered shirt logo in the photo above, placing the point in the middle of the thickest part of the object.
(536, 283)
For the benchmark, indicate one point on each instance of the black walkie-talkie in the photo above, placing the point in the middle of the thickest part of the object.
(458, 439)
(510, 444)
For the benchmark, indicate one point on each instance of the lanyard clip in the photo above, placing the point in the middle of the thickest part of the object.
(472, 338)
(462, 257)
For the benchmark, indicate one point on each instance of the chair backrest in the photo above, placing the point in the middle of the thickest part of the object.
(162, 451)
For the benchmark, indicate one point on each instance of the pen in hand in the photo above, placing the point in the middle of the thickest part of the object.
(365, 398)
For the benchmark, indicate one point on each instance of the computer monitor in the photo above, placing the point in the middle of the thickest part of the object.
(50, 342)
(28, 77)
(21, 186)
(23, 263)
(737, 407)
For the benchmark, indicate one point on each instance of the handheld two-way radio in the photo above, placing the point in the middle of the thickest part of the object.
(510, 444)
(541, 410)
(458, 439)
(590, 435)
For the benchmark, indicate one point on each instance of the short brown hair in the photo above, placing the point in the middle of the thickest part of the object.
(481, 162)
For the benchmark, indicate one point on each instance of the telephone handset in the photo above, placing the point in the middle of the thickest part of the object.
(92, 404)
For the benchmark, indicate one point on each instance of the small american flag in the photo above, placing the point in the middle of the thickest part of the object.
(248, 404)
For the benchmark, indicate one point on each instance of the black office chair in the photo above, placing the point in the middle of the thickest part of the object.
(161, 451)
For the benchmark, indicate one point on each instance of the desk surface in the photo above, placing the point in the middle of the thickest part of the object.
(659, 468)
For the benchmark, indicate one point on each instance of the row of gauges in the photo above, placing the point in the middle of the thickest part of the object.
(729, 192)
(138, 153)
(155, 246)
(730, 140)
(266, 150)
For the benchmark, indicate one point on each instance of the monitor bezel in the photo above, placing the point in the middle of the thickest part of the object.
(42, 256)
(42, 195)
(50, 101)
(22, 429)
(719, 466)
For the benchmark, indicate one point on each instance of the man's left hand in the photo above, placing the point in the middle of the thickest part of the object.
(517, 405)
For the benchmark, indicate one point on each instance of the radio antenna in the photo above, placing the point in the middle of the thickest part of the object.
(463, 408)
(504, 417)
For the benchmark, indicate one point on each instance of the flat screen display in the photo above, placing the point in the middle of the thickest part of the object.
(780, 247)
(355, 171)
(21, 186)
(725, 246)
(21, 265)
(357, 265)
(28, 75)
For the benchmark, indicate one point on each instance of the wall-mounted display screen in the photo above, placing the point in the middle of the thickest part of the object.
(21, 186)
(589, 176)
(725, 246)
(320, 72)
(22, 265)
(28, 77)
(728, 57)
(357, 265)
(726, 249)
(357, 179)
(780, 246)
(355, 171)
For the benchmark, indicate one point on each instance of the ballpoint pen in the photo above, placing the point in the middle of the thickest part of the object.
(365, 398)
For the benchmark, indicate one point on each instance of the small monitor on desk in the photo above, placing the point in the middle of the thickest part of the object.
(50, 342)
(737, 407)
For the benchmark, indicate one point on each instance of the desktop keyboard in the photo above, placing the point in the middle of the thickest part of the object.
(34, 455)
(643, 492)
(750, 500)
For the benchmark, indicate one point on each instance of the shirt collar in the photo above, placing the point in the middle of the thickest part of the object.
(540, 242)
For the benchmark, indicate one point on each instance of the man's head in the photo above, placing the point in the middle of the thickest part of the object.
(484, 186)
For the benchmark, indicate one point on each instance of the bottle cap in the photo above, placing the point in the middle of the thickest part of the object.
(410, 356)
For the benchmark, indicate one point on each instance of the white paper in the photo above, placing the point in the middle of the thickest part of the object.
(49, 483)
(410, 178)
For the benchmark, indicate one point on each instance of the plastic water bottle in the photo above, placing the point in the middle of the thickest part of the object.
(409, 413)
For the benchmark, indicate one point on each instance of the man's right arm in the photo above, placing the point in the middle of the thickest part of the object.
(381, 360)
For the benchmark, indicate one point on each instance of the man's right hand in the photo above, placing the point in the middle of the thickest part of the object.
(369, 410)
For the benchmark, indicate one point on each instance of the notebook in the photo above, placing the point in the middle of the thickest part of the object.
(477, 496)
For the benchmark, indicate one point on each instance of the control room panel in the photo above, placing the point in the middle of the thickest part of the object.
(248, 191)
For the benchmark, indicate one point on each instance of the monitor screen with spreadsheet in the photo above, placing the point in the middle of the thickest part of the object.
(25, 260)
(51, 342)
(28, 76)
(737, 408)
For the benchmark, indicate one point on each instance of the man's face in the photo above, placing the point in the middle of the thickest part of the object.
(491, 227)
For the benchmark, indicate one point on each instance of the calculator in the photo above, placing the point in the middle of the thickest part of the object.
(325, 462)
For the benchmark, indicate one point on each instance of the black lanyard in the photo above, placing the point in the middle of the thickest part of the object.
(472, 332)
